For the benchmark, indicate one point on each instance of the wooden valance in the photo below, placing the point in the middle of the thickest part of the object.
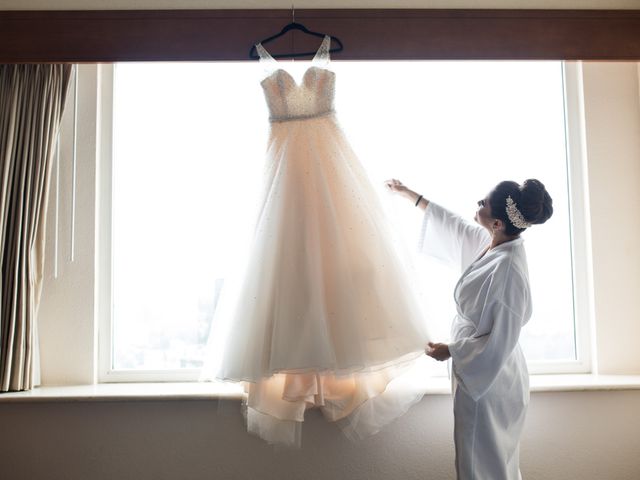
(368, 34)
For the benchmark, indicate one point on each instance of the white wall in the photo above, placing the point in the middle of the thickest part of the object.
(568, 436)
(68, 347)
(195, 4)
(612, 121)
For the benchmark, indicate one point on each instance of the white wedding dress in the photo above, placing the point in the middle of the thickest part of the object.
(323, 313)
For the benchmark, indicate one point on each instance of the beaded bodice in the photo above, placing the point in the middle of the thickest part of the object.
(287, 100)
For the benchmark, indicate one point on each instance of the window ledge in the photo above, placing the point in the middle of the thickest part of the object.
(119, 392)
(583, 382)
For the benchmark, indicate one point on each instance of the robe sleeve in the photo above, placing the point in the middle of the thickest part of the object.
(451, 238)
(478, 359)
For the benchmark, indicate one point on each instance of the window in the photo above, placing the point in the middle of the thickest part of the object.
(188, 146)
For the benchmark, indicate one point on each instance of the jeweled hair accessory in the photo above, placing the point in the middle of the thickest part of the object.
(515, 217)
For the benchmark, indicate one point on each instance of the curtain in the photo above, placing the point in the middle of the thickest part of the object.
(31, 103)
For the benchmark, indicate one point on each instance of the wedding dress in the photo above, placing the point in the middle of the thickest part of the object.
(323, 314)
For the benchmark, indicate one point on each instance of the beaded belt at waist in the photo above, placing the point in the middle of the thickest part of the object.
(301, 117)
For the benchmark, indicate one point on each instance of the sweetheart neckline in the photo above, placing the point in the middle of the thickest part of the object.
(293, 80)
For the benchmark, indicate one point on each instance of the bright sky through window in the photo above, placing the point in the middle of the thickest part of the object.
(189, 143)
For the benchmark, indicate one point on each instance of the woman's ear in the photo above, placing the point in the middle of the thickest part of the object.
(497, 225)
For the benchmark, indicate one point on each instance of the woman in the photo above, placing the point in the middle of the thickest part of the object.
(490, 377)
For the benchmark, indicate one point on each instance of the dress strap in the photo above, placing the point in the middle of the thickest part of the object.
(269, 64)
(321, 57)
(262, 53)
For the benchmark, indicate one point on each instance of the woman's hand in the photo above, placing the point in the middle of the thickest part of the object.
(439, 351)
(396, 186)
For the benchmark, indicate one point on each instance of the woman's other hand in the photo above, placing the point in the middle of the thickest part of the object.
(439, 351)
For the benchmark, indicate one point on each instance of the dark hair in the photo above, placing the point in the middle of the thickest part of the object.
(531, 199)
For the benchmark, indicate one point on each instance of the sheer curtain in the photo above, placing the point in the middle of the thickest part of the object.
(31, 102)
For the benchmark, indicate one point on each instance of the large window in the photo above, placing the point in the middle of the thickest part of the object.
(188, 148)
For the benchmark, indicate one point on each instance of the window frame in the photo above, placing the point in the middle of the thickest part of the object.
(578, 212)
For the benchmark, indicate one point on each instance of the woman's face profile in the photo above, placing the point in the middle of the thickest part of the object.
(483, 213)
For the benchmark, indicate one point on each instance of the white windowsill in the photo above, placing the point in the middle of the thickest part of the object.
(106, 392)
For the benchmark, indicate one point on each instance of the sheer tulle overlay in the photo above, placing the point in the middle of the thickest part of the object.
(322, 313)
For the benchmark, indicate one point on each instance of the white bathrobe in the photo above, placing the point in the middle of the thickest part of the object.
(490, 377)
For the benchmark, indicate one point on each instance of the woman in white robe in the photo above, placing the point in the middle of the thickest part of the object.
(490, 377)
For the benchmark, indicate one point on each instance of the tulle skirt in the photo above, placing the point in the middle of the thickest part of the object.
(322, 312)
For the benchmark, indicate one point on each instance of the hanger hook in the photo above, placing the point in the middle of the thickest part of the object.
(293, 14)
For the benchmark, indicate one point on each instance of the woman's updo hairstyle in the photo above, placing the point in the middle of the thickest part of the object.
(531, 199)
